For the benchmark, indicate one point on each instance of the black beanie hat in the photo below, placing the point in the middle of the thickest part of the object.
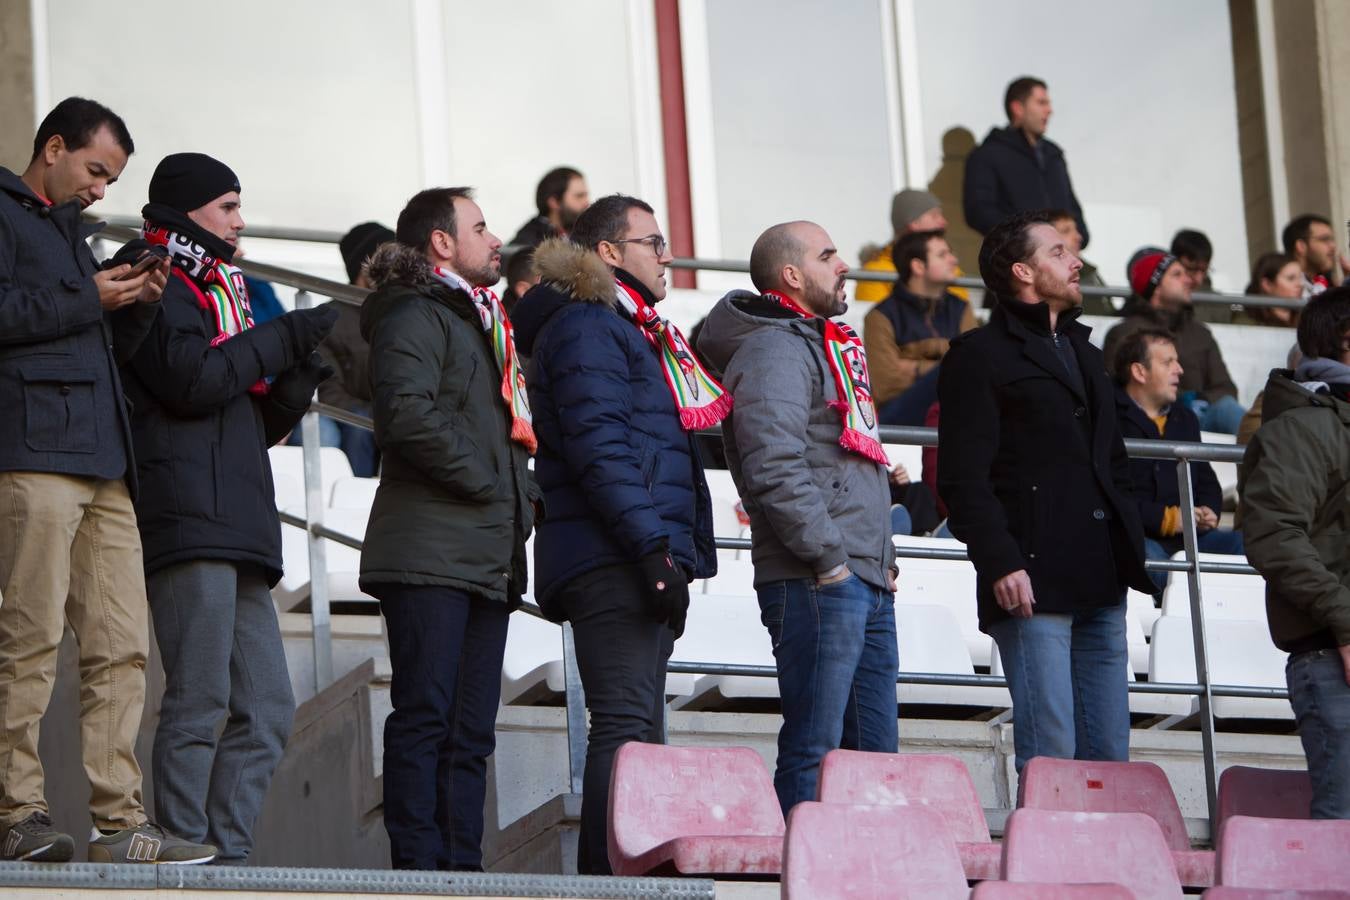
(357, 244)
(188, 181)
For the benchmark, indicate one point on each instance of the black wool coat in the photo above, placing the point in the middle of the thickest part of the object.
(1032, 467)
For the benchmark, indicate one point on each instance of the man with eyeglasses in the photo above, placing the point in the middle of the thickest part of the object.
(617, 398)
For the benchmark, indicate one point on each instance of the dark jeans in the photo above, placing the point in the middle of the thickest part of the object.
(837, 657)
(1216, 540)
(357, 443)
(910, 407)
(446, 650)
(1321, 701)
(621, 656)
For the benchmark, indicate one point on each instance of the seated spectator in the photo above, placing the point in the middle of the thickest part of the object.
(521, 275)
(1274, 275)
(1147, 373)
(911, 212)
(262, 297)
(1194, 250)
(1162, 300)
(913, 505)
(1309, 238)
(907, 335)
(1088, 276)
(561, 196)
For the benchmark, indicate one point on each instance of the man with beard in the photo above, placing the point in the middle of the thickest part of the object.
(1310, 239)
(1033, 471)
(618, 399)
(803, 448)
(1162, 300)
(560, 197)
(445, 546)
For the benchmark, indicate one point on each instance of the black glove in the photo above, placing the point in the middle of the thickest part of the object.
(667, 589)
(294, 388)
(308, 327)
(131, 252)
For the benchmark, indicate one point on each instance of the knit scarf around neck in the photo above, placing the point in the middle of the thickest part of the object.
(218, 285)
(848, 364)
(701, 401)
(497, 326)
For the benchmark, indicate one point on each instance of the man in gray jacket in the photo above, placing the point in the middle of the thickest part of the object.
(803, 449)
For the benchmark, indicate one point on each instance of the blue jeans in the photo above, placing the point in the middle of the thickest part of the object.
(902, 522)
(1222, 415)
(911, 406)
(446, 650)
(1069, 684)
(1321, 701)
(1216, 540)
(837, 658)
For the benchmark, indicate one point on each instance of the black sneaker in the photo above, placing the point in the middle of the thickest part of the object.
(147, 843)
(36, 840)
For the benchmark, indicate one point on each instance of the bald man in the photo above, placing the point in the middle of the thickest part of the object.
(804, 450)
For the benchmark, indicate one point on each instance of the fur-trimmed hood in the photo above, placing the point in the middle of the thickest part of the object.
(394, 263)
(395, 269)
(568, 274)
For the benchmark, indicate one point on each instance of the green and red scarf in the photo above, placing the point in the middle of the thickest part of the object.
(219, 286)
(702, 402)
(497, 326)
(848, 364)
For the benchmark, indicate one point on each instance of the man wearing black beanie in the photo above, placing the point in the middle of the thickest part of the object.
(211, 392)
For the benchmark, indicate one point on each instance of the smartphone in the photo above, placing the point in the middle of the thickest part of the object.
(148, 260)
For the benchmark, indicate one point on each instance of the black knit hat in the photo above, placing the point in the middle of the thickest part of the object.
(188, 181)
(357, 245)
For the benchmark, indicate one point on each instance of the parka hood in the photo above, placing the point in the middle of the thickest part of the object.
(395, 266)
(740, 314)
(568, 273)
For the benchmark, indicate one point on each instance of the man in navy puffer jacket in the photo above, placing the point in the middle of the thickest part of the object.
(628, 520)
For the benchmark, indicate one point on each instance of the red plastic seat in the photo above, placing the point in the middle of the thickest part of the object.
(1090, 848)
(1265, 793)
(1305, 854)
(1029, 890)
(935, 781)
(693, 811)
(838, 851)
(1117, 787)
(1222, 892)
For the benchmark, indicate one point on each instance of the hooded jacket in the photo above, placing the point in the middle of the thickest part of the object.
(1203, 370)
(620, 477)
(1004, 176)
(59, 351)
(455, 502)
(812, 504)
(1296, 503)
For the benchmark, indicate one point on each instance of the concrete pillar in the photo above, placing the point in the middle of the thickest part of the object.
(16, 85)
(1253, 149)
(1333, 52)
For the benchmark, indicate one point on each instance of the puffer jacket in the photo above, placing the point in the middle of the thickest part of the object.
(812, 504)
(455, 502)
(620, 477)
(1296, 503)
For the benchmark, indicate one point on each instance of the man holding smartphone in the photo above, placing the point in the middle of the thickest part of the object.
(69, 548)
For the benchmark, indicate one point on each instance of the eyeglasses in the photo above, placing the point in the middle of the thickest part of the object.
(657, 242)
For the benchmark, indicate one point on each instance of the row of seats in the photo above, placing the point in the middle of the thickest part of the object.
(713, 812)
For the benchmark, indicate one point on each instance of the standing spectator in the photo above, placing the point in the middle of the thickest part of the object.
(908, 334)
(445, 547)
(1162, 300)
(1309, 238)
(204, 416)
(560, 198)
(1195, 253)
(1274, 275)
(618, 399)
(805, 452)
(70, 552)
(1147, 374)
(1295, 495)
(1018, 168)
(1034, 473)
(912, 211)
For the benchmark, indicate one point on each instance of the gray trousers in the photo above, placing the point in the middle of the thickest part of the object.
(223, 660)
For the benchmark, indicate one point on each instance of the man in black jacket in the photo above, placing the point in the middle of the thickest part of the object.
(204, 416)
(1147, 373)
(69, 551)
(1034, 474)
(560, 198)
(445, 546)
(1018, 169)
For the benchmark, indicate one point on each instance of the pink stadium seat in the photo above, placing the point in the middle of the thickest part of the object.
(1117, 787)
(1309, 854)
(1029, 890)
(938, 782)
(1237, 893)
(836, 851)
(693, 811)
(1090, 848)
(1266, 793)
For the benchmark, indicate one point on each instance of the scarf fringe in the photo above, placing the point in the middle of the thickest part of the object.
(861, 444)
(696, 418)
(523, 433)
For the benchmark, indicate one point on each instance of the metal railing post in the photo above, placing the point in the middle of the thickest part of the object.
(318, 556)
(1191, 542)
(576, 711)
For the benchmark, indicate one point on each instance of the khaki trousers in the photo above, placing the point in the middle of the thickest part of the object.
(70, 552)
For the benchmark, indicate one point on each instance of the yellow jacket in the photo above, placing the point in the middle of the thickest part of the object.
(876, 291)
